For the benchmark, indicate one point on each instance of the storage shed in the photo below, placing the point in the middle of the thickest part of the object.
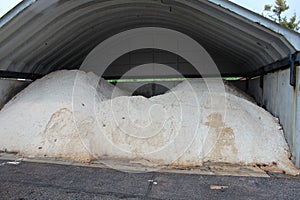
(41, 36)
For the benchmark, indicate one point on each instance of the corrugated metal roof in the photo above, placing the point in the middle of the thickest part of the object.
(40, 36)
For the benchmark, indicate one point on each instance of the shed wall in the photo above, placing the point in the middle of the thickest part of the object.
(277, 96)
(296, 124)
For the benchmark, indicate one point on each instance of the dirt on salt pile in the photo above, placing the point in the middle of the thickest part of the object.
(73, 115)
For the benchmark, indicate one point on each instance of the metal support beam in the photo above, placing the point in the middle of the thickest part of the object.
(292, 71)
(179, 76)
(261, 82)
(20, 75)
(285, 63)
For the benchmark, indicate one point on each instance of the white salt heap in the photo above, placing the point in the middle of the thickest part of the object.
(64, 115)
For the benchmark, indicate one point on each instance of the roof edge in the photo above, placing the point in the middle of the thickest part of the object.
(292, 36)
(15, 11)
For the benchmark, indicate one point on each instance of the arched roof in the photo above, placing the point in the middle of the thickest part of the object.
(40, 36)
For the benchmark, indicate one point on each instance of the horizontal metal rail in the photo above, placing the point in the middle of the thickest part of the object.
(285, 63)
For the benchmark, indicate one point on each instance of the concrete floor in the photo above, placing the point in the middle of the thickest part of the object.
(29, 180)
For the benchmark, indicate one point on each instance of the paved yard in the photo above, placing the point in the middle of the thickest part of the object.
(52, 181)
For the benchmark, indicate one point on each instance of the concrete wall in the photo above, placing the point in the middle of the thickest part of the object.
(108, 51)
(9, 88)
(144, 56)
(278, 97)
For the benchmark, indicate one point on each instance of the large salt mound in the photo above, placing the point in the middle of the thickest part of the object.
(68, 115)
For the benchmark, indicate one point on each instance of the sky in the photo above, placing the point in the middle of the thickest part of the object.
(258, 6)
(6, 5)
(254, 5)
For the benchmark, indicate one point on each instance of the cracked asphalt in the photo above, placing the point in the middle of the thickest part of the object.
(52, 181)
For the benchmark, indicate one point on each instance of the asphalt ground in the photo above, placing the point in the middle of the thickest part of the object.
(29, 180)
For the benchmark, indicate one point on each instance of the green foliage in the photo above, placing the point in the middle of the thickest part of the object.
(276, 13)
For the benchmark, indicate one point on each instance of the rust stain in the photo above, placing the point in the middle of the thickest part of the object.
(215, 120)
(226, 137)
(228, 131)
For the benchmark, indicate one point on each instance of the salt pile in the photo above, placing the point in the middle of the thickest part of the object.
(73, 115)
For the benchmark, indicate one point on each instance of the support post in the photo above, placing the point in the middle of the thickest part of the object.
(292, 71)
(296, 146)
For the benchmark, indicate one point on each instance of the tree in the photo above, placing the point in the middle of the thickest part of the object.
(277, 11)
